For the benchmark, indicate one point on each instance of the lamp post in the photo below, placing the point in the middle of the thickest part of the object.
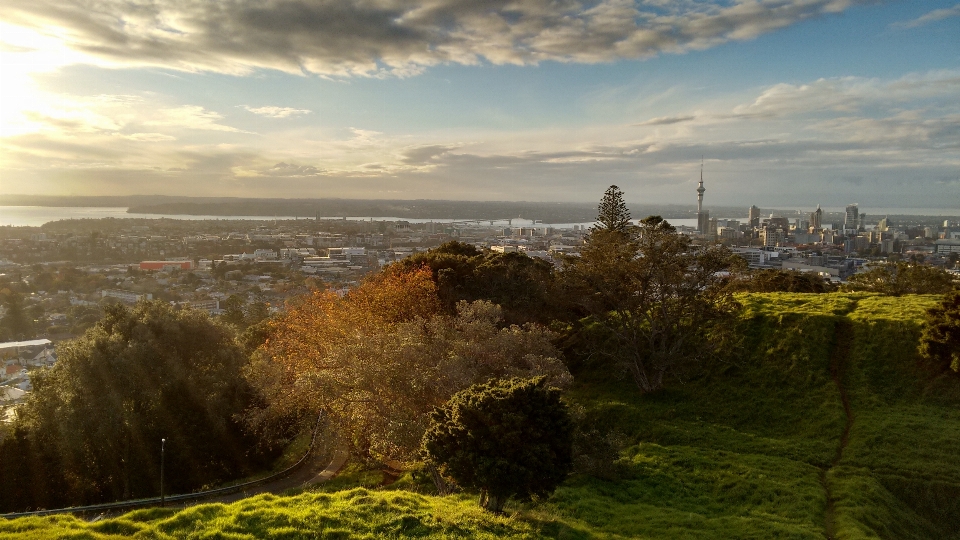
(163, 443)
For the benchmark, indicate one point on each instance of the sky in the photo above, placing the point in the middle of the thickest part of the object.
(784, 103)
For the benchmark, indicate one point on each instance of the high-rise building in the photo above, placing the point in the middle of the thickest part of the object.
(772, 236)
(852, 218)
(703, 222)
(779, 222)
(754, 216)
(816, 219)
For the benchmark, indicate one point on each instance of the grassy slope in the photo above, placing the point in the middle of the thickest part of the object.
(746, 451)
(900, 475)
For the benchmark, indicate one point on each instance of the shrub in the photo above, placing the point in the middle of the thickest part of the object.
(504, 438)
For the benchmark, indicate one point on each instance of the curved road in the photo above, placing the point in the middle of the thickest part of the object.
(316, 470)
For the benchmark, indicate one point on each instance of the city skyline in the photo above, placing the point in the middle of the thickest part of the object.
(791, 103)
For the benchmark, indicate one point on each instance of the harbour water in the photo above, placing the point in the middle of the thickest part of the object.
(35, 216)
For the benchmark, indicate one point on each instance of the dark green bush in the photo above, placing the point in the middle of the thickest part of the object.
(504, 438)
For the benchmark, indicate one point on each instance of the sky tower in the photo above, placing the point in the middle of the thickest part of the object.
(700, 191)
(703, 218)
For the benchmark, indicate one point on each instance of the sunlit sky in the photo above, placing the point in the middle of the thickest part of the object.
(788, 102)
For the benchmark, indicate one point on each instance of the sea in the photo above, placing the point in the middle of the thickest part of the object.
(35, 216)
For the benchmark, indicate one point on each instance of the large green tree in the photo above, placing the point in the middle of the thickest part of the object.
(16, 323)
(524, 287)
(773, 280)
(654, 300)
(91, 429)
(504, 438)
(940, 340)
(902, 277)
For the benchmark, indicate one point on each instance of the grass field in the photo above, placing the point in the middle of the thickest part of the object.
(750, 449)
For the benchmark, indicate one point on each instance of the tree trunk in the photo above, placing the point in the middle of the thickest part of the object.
(492, 503)
(443, 488)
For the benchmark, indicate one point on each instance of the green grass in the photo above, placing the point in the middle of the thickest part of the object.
(745, 450)
(356, 513)
(900, 474)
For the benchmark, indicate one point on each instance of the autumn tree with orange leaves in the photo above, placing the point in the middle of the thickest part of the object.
(377, 360)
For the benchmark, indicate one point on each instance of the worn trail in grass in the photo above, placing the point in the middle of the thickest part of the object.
(843, 339)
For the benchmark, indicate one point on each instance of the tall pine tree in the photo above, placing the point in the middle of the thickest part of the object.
(613, 215)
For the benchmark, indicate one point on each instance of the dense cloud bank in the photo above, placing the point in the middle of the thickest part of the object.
(373, 37)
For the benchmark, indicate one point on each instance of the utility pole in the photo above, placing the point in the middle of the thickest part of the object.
(163, 443)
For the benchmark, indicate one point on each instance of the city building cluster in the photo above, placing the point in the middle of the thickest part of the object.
(833, 245)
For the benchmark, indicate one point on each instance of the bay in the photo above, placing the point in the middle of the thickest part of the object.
(35, 216)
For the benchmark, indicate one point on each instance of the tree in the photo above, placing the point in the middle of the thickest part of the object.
(903, 277)
(772, 280)
(952, 259)
(233, 311)
(256, 311)
(504, 438)
(92, 426)
(940, 340)
(613, 214)
(654, 301)
(16, 322)
(376, 361)
(523, 286)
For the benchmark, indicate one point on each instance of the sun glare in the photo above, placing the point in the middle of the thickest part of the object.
(23, 53)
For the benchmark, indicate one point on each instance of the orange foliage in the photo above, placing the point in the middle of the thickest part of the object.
(394, 298)
(306, 337)
(378, 360)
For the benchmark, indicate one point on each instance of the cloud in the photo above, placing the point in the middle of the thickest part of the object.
(10, 48)
(290, 170)
(134, 117)
(933, 16)
(784, 142)
(848, 94)
(399, 37)
(418, 155)
(277, 112)
(189, 117)
(666, 120)
(150, 137)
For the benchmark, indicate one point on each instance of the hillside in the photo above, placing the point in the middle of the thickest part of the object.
(823, 425)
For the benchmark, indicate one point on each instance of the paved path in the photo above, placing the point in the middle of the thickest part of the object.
(317, 470)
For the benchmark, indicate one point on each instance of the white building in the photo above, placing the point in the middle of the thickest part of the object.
(127, 297)
(948, 246)
(265, 254)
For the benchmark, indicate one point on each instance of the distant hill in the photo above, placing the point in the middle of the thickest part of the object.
(823, 425)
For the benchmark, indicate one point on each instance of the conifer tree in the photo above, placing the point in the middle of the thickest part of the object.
(613, 214)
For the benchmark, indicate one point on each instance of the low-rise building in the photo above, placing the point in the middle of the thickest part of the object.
(167, 265)
(127, 297)
(947, 246)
